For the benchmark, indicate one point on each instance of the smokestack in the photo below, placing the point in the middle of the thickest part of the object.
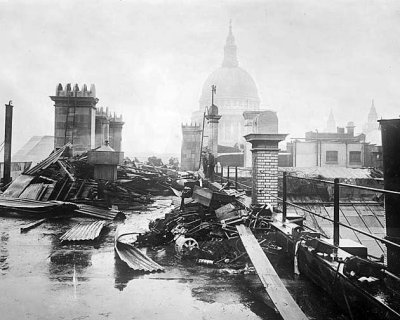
(391, 169)
(7, 143)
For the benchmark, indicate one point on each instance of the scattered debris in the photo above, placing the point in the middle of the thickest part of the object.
(204, 228)
(183, 245)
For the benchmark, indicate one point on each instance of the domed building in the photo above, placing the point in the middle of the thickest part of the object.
(236, 92)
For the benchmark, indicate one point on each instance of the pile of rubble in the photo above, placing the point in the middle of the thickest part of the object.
(204, 229)
(62, 178)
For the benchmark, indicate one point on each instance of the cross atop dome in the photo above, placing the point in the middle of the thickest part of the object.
(230, 50)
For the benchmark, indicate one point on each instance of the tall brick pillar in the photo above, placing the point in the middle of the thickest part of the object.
(265, 166)
(212, 122)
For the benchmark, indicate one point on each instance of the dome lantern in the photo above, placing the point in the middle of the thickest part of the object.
(230, 50)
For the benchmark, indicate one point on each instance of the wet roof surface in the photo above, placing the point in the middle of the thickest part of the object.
(47, 279)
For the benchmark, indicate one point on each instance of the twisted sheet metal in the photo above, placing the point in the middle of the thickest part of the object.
(134, 257)
(83, 231)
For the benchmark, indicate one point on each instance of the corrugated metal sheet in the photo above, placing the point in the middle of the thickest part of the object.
(91, 211)
(83, 231)
(136, 259)
(133, 256)
(33, 206)
(53, 158)
(18, 186)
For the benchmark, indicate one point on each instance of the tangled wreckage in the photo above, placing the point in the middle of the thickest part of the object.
(210, 224)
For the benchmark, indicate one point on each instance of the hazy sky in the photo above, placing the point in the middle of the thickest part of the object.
(149, 59)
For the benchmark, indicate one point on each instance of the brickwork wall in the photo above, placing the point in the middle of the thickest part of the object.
(265, 176)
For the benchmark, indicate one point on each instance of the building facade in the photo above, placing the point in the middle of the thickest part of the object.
(321, 149)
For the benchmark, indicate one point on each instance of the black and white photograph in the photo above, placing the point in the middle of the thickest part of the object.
(200, 160)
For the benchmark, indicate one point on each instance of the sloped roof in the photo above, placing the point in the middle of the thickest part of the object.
(367, 217)
(331, 172)
(35, 149)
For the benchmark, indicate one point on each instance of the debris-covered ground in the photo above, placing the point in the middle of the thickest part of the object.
(153, 244)
(44, 278)
(62, 185)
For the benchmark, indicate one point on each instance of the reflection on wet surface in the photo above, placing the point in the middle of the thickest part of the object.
(46, 279)
(3, 252)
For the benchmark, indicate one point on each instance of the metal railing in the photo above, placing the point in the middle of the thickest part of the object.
(336, 207)
(224, 175)
(336, 200)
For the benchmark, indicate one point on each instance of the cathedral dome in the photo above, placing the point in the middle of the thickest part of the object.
(236, 88)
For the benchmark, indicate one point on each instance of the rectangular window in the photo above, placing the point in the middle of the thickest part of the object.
(332, 156)
(355, 156)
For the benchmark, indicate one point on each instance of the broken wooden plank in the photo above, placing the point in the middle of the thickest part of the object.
(32, 225)
(70, 176)
(18, 186)
(274, 286)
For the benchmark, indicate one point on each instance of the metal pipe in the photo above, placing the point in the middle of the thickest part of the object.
(202, 136)
(236, 177)
(7, 143)
(284, 197)
(370, 189)
(228, 173)
(310, 179)
(349, 185)
(336, 196)
(222, 173)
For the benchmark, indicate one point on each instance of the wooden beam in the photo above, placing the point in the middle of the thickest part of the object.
(32, 225)
(274, 286)
(70, 176)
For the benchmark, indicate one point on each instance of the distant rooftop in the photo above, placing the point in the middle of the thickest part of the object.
(35, 150)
